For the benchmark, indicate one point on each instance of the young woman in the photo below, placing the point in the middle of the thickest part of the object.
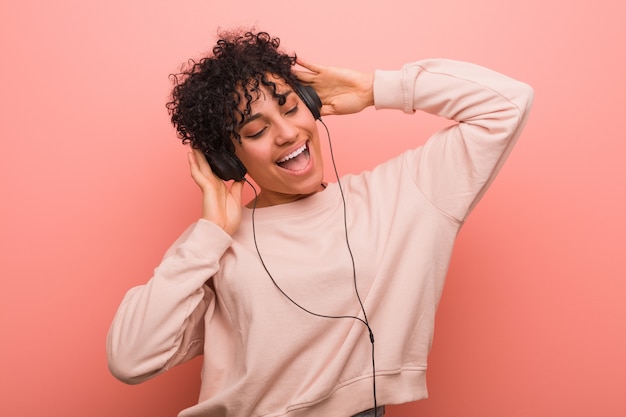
(312, 299)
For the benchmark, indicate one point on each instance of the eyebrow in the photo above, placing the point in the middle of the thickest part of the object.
(248, 120)
(255, 116)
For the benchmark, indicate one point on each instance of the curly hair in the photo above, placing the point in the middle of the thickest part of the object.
(206, 102)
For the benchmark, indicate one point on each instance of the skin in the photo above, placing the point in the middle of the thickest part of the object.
(272, 132)
(275, 132)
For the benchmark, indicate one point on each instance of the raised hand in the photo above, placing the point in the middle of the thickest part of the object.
(342, 90)
(220, 204)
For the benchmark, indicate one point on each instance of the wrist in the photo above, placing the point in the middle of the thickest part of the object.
(367, 87)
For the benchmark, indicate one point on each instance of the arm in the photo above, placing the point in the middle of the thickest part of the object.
(457, 164)
(161, 324)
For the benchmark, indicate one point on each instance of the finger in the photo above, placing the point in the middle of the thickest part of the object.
(305, 77)
(201, 174)
(308, 65)
(199, 157)
(313, 72)
(193, 160)
(193, 167)
(202, 163)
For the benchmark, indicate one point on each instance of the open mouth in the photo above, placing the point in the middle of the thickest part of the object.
(296, 160)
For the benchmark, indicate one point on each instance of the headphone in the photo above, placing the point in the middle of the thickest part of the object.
(228, 167)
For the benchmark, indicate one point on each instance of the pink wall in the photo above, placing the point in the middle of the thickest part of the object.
(94, 187)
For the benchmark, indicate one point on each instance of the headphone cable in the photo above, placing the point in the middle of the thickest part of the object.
(363, 320)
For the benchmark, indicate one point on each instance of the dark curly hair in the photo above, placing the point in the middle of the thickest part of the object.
(205, 106)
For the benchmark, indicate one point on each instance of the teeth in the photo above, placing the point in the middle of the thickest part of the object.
(292, 154)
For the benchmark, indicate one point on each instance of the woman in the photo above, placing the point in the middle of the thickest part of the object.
(313, 299)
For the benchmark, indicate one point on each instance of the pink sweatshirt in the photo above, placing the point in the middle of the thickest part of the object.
(263, 356)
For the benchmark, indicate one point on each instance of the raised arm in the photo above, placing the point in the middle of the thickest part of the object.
(457, 164)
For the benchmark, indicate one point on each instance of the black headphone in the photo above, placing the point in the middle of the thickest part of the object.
(228, 167)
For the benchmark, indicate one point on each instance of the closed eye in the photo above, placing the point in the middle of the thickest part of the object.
(258, 134)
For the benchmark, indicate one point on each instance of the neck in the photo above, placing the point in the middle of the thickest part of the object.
(261, 200)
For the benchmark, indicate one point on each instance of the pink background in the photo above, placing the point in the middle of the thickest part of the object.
(94, 187)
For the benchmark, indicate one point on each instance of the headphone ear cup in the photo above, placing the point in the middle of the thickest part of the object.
(310, 99)
(226, 166)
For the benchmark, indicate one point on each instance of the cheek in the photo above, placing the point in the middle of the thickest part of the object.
(254, 158)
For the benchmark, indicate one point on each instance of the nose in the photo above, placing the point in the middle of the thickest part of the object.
(286, 131)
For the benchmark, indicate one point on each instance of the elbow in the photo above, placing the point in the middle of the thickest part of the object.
(123, 367)
(126, 366)
(520, 103)
(124, 373)
(129, 372)
(526, 96)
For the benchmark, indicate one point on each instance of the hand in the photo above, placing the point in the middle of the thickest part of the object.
(342, 90)
(220, 204)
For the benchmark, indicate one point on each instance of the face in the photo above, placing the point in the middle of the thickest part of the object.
(280, 147)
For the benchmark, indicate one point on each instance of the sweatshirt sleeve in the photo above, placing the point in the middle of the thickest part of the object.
(161, 324)
(457, 164)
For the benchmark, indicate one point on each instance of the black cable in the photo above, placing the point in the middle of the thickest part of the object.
(356, 289)
(364, 320)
